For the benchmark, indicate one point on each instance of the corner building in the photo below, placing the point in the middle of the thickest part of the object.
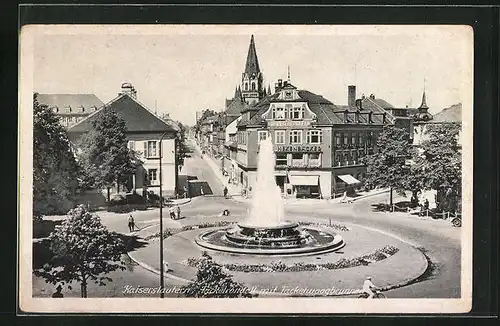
(318, 145)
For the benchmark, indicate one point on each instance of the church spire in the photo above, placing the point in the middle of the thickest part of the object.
(252, 65)
(269, 90)
(423, 105)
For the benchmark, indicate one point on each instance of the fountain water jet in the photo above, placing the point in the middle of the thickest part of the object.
(268, 209)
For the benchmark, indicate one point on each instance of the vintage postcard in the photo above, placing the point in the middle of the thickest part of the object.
(245, 169)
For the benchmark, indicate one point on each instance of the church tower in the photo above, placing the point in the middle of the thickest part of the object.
(251, 80)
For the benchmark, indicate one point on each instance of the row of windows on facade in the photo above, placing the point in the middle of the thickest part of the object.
(80, 109)
(295, 136)
(70, 119)
(287, 112)
(312, 137)
(283, 159)
(149, 148)
(344, 158)
(354, 138)
(253, 86)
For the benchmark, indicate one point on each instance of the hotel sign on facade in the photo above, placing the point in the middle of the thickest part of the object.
(288, 124)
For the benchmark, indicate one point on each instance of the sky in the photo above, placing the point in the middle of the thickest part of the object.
(181, 69)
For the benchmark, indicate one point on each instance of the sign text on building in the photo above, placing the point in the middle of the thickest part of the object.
(297, 148)
(288, 123)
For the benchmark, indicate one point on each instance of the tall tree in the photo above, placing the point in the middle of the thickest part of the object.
(83, 251)
(386, 167)
(54, 165)
(213, 282)
(441, 162)
(104, 156)
(182, 147)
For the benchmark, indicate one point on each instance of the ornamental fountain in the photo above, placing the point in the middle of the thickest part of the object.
(266, 231)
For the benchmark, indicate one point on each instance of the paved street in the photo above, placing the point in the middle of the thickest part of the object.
(440, 240)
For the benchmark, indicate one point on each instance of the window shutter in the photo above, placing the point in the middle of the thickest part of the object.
(145, 149)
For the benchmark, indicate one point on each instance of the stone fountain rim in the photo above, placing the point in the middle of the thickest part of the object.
(283, 225)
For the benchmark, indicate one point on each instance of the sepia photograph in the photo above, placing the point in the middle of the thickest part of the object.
(246, 168)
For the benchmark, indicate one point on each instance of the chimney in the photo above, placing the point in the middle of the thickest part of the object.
(346, 116)
(372, 96)
(351, 96)
(359, 104)
(128, 89)
(383, 118)
(370, 117)
(356, 117)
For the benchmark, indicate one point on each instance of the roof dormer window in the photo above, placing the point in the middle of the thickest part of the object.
(288, 95)
(68, 109)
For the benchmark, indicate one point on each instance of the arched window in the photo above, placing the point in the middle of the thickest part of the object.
(246, 86)
(253, 86)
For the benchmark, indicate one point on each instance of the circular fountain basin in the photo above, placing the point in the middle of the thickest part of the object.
(287, 238)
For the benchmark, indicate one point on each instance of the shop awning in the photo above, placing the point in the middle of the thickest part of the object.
(304, 180)
(349, 179)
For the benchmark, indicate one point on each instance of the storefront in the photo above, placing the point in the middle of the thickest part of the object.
(305, 186)
(346, 183)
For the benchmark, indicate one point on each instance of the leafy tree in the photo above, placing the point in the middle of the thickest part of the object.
(84, 250)
(441, 162)
(182, 147)
(414, 180)
(54, 165)
(386, 167)
(207, 113)
(104, 156)
(213, 282)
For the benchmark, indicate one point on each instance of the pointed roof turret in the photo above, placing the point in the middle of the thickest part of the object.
(269, 90)
(252, 65)
(423, 105)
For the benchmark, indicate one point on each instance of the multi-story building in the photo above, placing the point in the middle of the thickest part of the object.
(317, 144)
(144, 130)
(71, 108)
(413, 119)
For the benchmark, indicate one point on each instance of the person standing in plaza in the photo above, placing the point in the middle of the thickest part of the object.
(131, 223)
(225, 192)
(178, 211)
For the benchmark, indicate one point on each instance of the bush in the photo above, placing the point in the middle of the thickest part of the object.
(116, 200)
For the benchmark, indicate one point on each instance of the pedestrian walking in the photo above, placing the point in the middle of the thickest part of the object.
(184, 189)
(58, 293)
(178, 211)
(171, 211)
(225, 192)
(131, 223)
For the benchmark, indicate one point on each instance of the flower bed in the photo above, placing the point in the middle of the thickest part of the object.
(171, 231)
(335, 226)
(279, 266)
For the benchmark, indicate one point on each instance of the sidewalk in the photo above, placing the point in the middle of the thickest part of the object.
(361, 195)
(233, 190)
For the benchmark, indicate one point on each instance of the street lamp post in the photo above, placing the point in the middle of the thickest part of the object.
(162, 294)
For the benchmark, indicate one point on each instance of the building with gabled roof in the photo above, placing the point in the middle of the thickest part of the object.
(318, 144)
(71, 108)
(144, 130)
